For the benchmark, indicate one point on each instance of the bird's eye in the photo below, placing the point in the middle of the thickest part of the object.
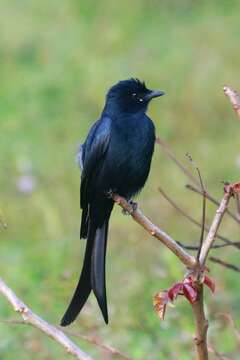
(134, 94)
(141, 100)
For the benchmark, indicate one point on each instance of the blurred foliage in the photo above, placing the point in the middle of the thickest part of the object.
(57, 61)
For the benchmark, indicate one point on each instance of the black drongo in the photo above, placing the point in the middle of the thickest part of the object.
(116, 156)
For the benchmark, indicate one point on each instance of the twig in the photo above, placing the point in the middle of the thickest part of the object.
(201, 324)
(218, 354)
(90, 339)
(203, 205)
(192, 220)
(238, 205)
(159, 234)
(210, 198)
(30, 318)
(224, 263)
(208, 242)
(170, 154)
(194, 247)
(232, 323)
(234, 98)
(95, 341)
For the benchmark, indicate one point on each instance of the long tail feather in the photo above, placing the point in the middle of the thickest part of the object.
(84, 285)
(98, 277)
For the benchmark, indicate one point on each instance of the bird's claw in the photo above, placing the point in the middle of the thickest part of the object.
(134, 206)
(110, 194)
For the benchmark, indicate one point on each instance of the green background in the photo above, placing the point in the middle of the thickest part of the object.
(57, 60)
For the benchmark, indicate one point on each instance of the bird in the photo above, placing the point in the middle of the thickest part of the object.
(115, 158)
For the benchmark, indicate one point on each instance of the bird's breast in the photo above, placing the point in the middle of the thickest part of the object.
(129, 156)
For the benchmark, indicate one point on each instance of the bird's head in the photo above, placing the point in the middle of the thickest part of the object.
(130, 96)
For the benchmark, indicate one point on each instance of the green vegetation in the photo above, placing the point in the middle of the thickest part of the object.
(57, 60)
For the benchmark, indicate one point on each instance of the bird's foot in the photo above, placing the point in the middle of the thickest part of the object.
(134, 206)
(110, 193)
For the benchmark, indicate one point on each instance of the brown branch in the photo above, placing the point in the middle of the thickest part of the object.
(208, 242)
(224, 263)
(195, 222)
(188, 260)
(234, 98)
(155, 231)
(32, 319)
(201, 324)
(238, 205)
(214, 201)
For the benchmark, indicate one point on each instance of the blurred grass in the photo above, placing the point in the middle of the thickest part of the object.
(57, 61)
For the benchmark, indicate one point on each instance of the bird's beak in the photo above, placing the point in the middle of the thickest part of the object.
(154, 93)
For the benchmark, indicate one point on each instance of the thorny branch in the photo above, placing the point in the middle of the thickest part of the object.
(32, 319)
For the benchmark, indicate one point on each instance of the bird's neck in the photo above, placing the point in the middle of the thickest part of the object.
(114, 111)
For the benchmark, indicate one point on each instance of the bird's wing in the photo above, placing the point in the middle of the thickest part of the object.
(92, 155)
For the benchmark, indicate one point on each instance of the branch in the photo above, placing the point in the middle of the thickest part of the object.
(195, 222)
(30, 318)
(208, 242)
(238, 205)
(201, 324)
(234, 98)
(153, 230)
(210, 198)
(224, 263)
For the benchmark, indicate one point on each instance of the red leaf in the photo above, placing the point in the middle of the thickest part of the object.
(236, 187)
(189, 292)
(209, 282)
(160, 301)
(174, 291)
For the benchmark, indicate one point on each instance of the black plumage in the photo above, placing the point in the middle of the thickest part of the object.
(116, 156)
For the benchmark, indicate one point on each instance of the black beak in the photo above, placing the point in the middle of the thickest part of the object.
(154, 93)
